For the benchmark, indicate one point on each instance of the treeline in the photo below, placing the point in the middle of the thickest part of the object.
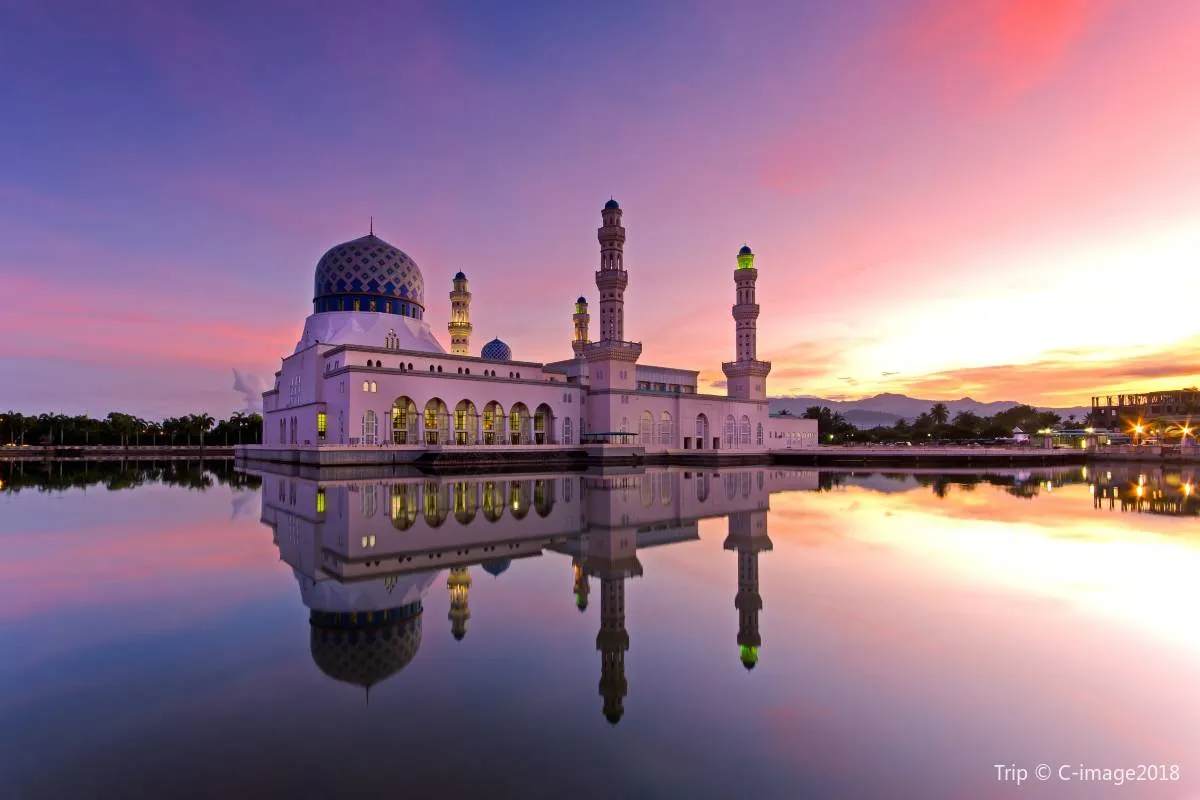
(936, 424)
(126, 430)
(119, 475)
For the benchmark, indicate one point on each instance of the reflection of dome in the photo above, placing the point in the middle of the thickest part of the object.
(581, 601)
(613, 717)
(494, 568)
(611, 204)
(749, 656)
(496, 350)
(365, 648)
(365, 271)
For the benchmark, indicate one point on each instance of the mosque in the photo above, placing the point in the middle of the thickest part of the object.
(368, 553)
(368, 370)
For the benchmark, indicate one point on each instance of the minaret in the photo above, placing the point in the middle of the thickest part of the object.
(460, 317)
(748, 535)
(611, 278)
(611, 359)
(746, 378)
(611, 556)
(581, 587)
(459, 584)
(582, 319)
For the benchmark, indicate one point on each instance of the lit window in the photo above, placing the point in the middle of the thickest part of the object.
(366, 386)
(321, 421)
(320, 501)
(374, 386)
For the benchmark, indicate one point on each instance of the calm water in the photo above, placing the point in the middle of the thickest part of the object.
(178, 631)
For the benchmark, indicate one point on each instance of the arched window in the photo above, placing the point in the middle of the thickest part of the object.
(368, 501)
(666, 430)
(624, 424)
(368, 428)
(744, 432)
(729, 440)
(374, 386)
(567, 431)
(759, 437)
(701, 431)
(646, 432)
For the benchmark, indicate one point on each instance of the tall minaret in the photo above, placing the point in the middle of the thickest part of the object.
(582, 320)
(748, 535)
(746, 378)
(611, 278)
(610, 358)
(611, 556)
(460, 317)
(459, 584)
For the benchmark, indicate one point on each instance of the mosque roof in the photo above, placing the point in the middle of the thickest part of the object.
(745, 251)
(459, 276)
(364, 655)
(496, 350)
(495, 568)
(612, 204)
(369, 266)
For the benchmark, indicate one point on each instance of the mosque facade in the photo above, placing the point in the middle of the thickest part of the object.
(369, 371)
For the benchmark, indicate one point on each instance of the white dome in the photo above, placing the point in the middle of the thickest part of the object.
(377, 595)
(370, 329)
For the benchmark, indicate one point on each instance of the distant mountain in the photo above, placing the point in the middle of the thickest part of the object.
(885, 409)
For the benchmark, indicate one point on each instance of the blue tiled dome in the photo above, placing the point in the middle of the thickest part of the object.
(494, 568)
(496, 350)
(459, 276)
(370, 272)
(612, 204)
(745, 251)
(582, 300)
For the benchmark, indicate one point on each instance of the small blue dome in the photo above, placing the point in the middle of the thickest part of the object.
(496, 350)
(494, 568)
(745, 251)
(611, 204)
(459, 276)
(582, 300)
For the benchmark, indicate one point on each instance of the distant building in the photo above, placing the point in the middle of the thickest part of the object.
(1177, 406)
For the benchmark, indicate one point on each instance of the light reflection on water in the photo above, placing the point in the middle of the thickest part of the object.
(192, 631)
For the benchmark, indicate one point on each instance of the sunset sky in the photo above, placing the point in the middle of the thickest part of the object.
(998, 199)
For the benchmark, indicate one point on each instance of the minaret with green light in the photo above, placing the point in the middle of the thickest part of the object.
(459, 584)
(748, 536)
(460, 317)
(582, 320)
(746, 378)
(582, 588)
(611, 359)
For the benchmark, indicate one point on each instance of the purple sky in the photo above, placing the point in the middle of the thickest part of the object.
(962, 194)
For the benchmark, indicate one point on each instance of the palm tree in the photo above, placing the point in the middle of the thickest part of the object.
(203, 424)
(238, 420)
(939, 413)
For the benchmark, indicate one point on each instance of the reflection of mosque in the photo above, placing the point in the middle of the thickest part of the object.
(365, 552)
(1153, 491)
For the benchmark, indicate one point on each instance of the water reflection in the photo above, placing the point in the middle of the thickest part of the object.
(363, 575)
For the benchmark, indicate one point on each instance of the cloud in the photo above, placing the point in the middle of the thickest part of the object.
(1052, 381)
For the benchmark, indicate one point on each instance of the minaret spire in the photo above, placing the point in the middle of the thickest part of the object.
(747, 376)
(371, 231)
(460, 317)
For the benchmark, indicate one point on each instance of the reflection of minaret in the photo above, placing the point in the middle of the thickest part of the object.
(612, 558)
(581, 587)
(459, 584)
(748, 535)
